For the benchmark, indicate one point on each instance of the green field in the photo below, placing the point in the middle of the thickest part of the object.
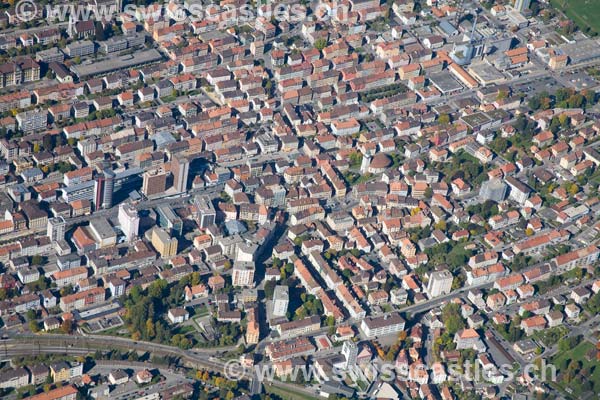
(286, 394)
(589, 370)
(582, 12)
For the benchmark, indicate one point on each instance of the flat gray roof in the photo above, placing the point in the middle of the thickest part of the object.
(582, 50)
(281, 293)
(445, 82)
(486, 72)
(102, 228)
(112, 64)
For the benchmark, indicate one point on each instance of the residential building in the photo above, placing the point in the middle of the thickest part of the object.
(129, 221)
(63, 371)
(281, 300)
(180, 168)
(56, 229)
(243, 274)
(178, 315)
(440, 283)
(382, 325)
(154, 182)
(169, 220)
(350, 352)
(206, 212)
(68, 392)
(164, 243)
(522, 5)
(14, 378)
(81, 300)
(32, 120)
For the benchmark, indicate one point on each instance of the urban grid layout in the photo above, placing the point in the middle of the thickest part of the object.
(299, 199)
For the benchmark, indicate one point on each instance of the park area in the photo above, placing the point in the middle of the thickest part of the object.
(585, 13)
(578, 372)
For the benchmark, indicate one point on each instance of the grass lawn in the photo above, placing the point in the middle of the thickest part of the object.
(287, 394)
(202, 312)
(582, 12)
(578, 353)
(183, 330)
(551, 336)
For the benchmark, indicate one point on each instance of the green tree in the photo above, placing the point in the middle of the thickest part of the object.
(48, 142)
(355, 159)
(37, 260)
(269, 288)
(33, 326)
(31, 315)
(289, 269)
(428, 192)
(320, 44)
(590, 96)
(499, 145)
(330, 321)
(453, 321)
(157, 289)
(444, 119)
(64, 167)
(534, 103)
(67, 290)
(67, 326)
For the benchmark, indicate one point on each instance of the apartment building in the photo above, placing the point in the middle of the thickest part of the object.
(382, 325)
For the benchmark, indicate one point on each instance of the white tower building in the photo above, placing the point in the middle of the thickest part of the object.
(129, 221)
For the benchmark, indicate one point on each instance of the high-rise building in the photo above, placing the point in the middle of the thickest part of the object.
(253, 327)
(440, 282)
(350, 351)
(129, 221)
(243, 274)
(104, 186)
(56, 229)
(154, 182)
(493, 189)
(281, 300)
(522, 5)
(99, 187)
(364, 164)
(257, 48)
(206, 212)
(32, 120)
(163, 243)
(168, 220)
(180, 167)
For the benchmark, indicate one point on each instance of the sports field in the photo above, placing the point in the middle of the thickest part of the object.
(582, 12)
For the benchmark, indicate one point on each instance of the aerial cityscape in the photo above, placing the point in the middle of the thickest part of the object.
(294, 200)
